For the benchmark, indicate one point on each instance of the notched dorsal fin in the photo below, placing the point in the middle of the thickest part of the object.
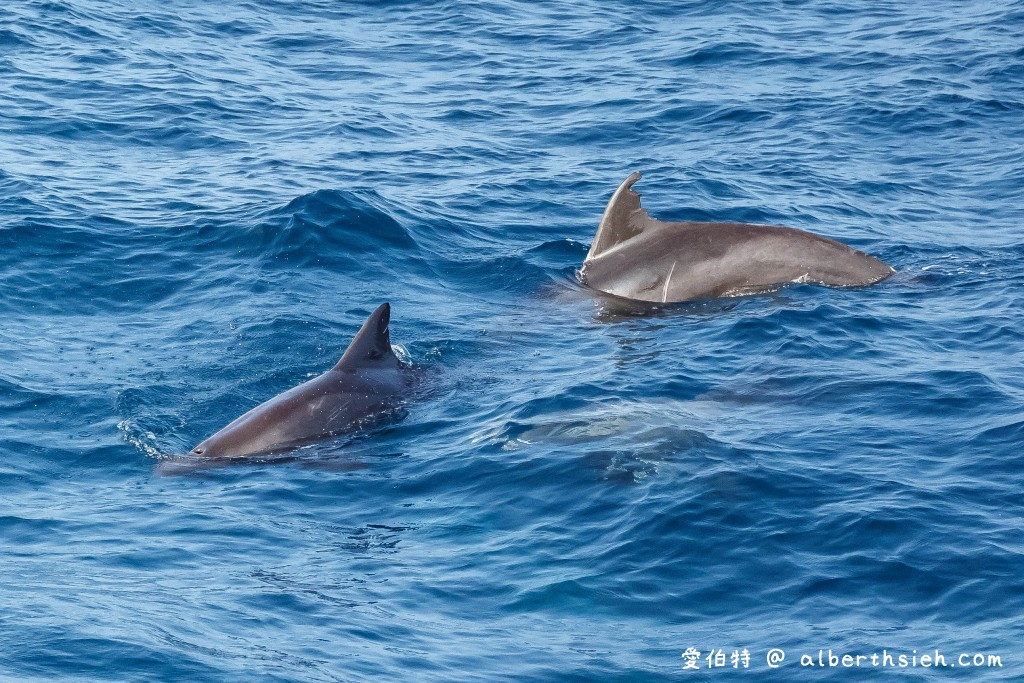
(623, 219)
(372, 343)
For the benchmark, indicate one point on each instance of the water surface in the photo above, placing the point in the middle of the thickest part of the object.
(201, 202)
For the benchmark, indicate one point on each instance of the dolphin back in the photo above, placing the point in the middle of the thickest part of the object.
(828, 262)
(366, 383)
(638, 257)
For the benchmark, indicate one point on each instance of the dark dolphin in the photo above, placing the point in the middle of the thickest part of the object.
(367, 382)
(635, 256)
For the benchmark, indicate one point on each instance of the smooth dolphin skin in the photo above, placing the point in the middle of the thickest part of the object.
(367, 381)
(638, 257)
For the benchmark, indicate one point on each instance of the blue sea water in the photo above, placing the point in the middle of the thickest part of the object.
(201, 202)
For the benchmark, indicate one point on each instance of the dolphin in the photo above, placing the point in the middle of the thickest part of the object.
(367, 382)
(635, 256)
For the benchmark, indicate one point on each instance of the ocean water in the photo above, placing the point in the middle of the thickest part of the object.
(201, 202)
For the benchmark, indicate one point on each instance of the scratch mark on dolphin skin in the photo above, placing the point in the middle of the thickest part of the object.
(668, 279)
(337, 413)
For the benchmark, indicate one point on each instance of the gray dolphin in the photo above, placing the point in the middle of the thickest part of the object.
(635, 256)
(367, 381)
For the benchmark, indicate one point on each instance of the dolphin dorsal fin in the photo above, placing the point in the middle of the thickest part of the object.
(372, 343)
(623, 218)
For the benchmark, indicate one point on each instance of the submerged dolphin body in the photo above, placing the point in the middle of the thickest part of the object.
(367, 381)
(635, 256)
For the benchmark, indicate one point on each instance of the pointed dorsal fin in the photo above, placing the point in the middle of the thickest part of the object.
(623, 218)
(372, 343)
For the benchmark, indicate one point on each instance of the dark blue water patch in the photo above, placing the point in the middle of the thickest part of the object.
(12, 40)
(99, 57)
(54, 260)
(719, 54)
(136, 658)
(177, 133)
(1001, 435)
(158, 25)
(65, 21)
(557, 260)
(499, 275)
(305, 42)
(315, 229)
(327, 230)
